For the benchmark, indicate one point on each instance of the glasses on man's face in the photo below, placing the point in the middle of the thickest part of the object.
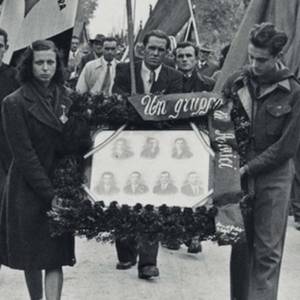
(97, 43)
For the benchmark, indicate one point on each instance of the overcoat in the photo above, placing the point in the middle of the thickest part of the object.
(35, 135)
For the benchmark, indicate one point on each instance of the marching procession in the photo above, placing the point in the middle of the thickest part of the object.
(151, 144)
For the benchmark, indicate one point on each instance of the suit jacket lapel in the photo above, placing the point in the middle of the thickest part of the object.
(138, 78)
(159, 85)
(41, 111)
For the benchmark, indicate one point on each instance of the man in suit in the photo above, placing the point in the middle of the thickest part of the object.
(206, 65)
(192, 186)
(186, 60)
(98, 75)
(151, 76)
(74, 57)
(165, 185)
(181, 149)
(96, 45)
(107, 185)
(135, 185)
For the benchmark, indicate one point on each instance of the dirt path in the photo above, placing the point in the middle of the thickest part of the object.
(183, 276)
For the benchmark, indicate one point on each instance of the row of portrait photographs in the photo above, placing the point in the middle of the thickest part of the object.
(135, 185)
(151, 148)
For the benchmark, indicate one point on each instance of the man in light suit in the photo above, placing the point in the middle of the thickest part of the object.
(98, 75)
(97, 50)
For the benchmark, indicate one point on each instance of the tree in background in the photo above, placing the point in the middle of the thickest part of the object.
(218, 20)
(85, 10)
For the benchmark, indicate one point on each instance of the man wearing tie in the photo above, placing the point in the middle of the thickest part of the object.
(192, 185)
(151, 76)
(98, 75)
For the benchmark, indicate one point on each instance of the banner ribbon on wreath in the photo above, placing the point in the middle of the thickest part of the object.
(227, 190)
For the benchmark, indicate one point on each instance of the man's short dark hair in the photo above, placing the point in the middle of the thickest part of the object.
(267, 36)
(25, 73)
(4, 34)
(109, 39)
(157, 33)
(188, 44)
(75, 37)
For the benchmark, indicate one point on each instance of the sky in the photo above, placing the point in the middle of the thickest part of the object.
(110, 15)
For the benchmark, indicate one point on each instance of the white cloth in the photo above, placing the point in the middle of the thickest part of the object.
(92, 76)
(145, 74)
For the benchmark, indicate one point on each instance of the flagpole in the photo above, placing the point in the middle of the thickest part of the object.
(194, 22)
(131, 46)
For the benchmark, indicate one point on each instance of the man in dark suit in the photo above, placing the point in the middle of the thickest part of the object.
(107, 185)
(97, 46)
(186, 60)
(152, 76)
(135, 186)
(165, 185)
(192, 186)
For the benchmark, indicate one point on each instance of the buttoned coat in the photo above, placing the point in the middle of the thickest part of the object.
(35, 136)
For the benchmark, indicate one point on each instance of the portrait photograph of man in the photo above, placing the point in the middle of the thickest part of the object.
(150, 148)
(165, 185)
(121, 149)
(135, 185)
(107, 184)
(181, 149)
(192, 185)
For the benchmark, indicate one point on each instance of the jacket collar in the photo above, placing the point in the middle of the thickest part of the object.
(43, 112)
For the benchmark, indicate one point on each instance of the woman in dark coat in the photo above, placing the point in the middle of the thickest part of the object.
(34, 118)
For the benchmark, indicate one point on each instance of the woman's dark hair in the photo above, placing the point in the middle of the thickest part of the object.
(25, 73)
(267, 36)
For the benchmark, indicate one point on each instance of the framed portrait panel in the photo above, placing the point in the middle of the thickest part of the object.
(152, 167)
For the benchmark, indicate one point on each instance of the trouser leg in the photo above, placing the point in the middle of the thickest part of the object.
(148, 252)
(295, 199)
(270, 219)
(126, 249)
(240, 263)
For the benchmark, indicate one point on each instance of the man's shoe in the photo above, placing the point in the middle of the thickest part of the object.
(297, 225)
(148, 271)
(195, 247)
(125, 265)
(172, 246)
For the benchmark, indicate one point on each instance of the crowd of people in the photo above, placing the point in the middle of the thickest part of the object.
(35, 103)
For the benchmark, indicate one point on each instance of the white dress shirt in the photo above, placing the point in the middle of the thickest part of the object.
(145, 74)
(92, 76)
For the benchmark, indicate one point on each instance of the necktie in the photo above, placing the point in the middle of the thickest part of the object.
(151, 77)
(106, 81)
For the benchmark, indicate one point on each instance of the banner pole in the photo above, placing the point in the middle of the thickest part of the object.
(131, 46)
(194, 21)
